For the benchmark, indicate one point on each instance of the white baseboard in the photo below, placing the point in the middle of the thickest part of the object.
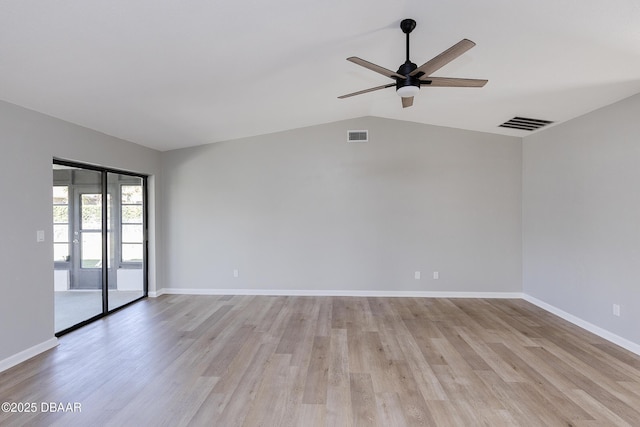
(156, 294)
(27, 354)
(603, 333)
(341, 293)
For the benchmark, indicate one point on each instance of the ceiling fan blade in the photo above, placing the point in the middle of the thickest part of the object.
(407, 102)
(360, 92)
(373, 67)
(452, 82)
(443, 59)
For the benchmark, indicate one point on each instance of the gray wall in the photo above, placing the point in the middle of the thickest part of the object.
(581, 226)
(305, 210)
(556, 216)
(28, 142)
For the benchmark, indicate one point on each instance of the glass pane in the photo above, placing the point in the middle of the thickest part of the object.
(61, 233)
(128, 253)
(132, 233)
(91, 250)
(73, 306)
(60, 214)
(61, 252)
(132, 194)
(132, 214)
(78, 291)
(91, 211)
(132, 252)
(60, 195)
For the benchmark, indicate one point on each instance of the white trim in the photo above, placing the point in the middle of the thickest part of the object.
(341, 293)
(154, 294)
(27, 354)
(603, 333)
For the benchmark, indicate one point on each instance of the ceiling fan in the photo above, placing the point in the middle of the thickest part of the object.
(410, 77)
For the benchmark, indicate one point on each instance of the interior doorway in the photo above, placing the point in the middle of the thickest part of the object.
(100, 245)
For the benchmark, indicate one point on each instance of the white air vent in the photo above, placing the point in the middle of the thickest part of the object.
(358, 136)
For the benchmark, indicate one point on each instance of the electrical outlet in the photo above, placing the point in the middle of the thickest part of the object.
(616, 310)
(436, 275)
(417, 275)
(236, 273)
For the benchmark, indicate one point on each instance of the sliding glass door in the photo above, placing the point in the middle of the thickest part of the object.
(77, 223)
(126, 240)
(99, 242)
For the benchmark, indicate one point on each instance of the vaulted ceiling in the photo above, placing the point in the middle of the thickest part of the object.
(175, 73)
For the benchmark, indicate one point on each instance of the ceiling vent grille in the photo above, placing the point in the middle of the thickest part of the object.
(524, 123)
(358, 136)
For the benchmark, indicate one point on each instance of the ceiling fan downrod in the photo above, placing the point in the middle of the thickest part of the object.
(407, 25)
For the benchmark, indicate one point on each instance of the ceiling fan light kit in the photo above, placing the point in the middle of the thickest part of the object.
(408, 91)
(410, 77)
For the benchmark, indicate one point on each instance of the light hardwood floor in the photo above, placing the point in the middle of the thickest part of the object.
(334, 361)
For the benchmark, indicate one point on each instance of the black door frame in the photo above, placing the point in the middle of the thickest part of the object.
(105, 254)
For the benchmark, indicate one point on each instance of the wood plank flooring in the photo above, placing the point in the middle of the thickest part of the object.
(329, 361)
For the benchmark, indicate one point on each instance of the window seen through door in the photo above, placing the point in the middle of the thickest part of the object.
(61, 223)
(132, 224)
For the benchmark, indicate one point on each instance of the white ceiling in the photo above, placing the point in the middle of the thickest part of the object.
(175, 73)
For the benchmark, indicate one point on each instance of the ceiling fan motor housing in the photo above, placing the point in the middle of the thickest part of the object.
(405, 69)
